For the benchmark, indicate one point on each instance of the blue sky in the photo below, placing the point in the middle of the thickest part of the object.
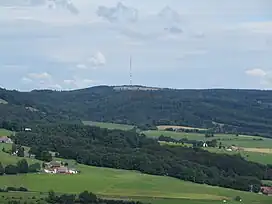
(70, 44)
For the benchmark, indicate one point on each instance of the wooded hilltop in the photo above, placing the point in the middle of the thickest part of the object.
(233, 111)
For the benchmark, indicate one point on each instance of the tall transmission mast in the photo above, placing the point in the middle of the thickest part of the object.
(130, 70)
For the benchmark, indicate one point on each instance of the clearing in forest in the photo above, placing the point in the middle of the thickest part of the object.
(109, 125)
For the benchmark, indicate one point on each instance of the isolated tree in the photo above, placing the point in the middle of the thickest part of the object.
(2, 170)
(46, 156)
(21, 152)
(22, 166)
(13, 148)
(86, 197)
(237, 198)
(52, 197)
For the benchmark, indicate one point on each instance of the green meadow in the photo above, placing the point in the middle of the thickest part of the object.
(109, 125)
(263, 158)
(255, 148)
(7, 159)
(120, 184)
(4, 132)
(114, 183)
(226, 139)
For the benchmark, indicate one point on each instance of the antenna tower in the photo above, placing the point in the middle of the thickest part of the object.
(130, 71)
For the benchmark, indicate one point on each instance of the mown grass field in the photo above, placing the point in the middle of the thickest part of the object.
(128, 184)
(109, 125)
(4, 132)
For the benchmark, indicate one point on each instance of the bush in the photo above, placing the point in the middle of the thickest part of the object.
(23, 189)
(11, 170)
(238, 198)
(34, 168)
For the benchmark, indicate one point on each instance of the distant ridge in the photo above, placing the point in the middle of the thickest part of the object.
(241, 111)
(135, 88)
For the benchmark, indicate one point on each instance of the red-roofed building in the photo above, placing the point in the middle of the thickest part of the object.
(5, 139)
(266, 190)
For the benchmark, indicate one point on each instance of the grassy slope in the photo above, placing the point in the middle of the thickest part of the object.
(250, 156)
(120, 183)
(4, 132)
(124, 184)
(109, 125)
(227, 140)
(6, 159)
(266, 182)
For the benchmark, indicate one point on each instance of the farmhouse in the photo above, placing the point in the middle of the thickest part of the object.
(5, 139)
(266, 190)
(54, 164)
(56, 167)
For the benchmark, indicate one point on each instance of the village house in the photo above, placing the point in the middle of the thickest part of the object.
(5, 139)
(266, 190)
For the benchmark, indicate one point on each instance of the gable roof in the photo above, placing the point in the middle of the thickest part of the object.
(4, 138)
(266, 190)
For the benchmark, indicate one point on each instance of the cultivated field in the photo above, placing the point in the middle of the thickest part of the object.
(109, 125)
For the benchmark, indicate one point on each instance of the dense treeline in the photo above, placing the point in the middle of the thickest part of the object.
(21, 167)
(128, 150)
(235, 111)
(82, 198)
(195, 143)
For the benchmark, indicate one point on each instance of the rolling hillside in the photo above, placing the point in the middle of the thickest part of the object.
(243, 111)
(113, 183)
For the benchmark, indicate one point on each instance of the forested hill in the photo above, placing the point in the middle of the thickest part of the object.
(244, 111)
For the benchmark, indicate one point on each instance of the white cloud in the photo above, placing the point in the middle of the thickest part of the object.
(258, 27)
(256, 72)
(213, 38)
(81, 66)
(78, 82)
(26, 80)
(118, 14)
(97, 60)
(40, 76)
(48, 4)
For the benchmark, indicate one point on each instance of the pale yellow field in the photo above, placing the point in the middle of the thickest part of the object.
(259, 150)
(163, 127)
